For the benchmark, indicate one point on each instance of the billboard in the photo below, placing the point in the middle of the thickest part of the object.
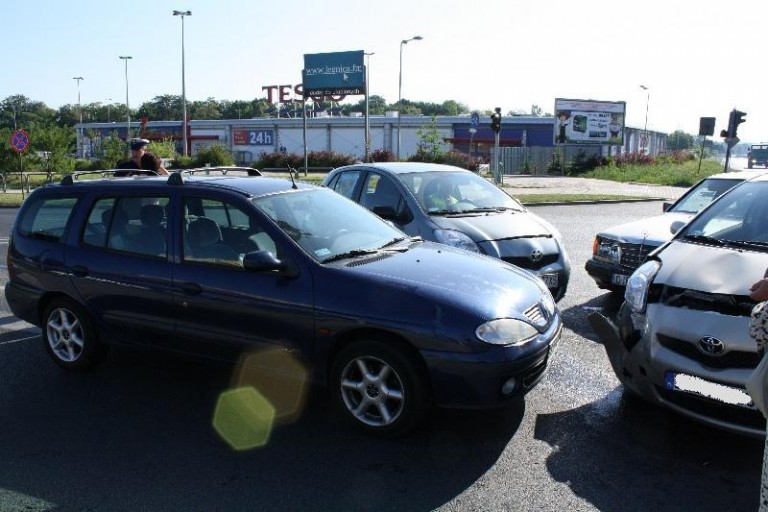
(589, 122)
(327, 74)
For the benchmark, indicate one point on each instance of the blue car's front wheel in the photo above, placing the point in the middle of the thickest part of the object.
(380, 387)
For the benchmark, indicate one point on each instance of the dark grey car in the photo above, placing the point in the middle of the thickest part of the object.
(457, 207)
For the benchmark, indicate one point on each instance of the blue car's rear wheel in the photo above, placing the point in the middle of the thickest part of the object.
(69, 337)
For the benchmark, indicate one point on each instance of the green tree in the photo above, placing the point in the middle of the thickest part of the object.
(214, 155)
(679, 140)
(162, 108)
(431, 147)
(208, 109)
(55, 145)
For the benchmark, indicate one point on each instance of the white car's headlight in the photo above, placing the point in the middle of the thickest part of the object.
(456, 239)
(638, 284)
(506, 331)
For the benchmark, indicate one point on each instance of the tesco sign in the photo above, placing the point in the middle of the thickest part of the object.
(294, 93)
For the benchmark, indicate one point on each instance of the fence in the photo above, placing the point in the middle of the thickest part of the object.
(541, 160)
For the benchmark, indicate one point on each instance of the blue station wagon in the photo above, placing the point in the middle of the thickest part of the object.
(224, 267)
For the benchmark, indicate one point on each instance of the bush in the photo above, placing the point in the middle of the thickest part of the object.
(633, 159)
(280, 160)
(182, 162)
(382, 155)
(215, 155)
(329, 159)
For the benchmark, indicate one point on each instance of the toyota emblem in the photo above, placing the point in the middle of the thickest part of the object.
(536, 255)
(711, 345)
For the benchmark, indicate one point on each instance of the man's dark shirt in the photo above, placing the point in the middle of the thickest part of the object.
(128, 164)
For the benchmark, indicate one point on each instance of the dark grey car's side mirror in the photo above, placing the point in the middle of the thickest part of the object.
(665, 206)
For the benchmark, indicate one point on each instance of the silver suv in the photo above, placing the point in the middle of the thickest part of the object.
(618, 251)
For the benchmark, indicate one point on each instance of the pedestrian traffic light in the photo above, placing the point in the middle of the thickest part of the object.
(734, 120)
(496, 120)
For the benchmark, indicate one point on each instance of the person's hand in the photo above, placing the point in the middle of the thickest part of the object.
(759, 290)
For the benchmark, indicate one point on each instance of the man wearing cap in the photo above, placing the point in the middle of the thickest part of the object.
(141, 159)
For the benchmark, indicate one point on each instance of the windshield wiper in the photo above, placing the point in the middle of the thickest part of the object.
(354, 253)
(748, 243)
(395, 241)
(706, 240)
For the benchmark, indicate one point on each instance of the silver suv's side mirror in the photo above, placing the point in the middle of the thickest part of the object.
(676, 226)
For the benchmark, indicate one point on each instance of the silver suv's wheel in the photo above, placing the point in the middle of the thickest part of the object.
(68, 336)
(380, 387)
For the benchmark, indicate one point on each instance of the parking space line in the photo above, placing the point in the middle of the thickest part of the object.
(9, 342)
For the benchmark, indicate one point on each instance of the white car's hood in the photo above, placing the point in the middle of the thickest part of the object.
(710, 269)
(652, 230)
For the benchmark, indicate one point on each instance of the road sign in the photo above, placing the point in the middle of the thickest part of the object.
(19, 140)
(474, 120)
(333, 73)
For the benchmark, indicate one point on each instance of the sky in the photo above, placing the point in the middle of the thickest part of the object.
(697, 59)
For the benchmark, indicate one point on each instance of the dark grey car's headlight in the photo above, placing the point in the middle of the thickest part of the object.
(506, 331)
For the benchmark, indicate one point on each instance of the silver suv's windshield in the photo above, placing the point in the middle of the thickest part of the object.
(738, 218)
(457, 192)
(704, 193)
(328, 226)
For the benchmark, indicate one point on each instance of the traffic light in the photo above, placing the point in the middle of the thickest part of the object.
(734, 120)
(496, 120)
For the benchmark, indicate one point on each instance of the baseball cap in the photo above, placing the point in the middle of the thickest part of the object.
(137, 143)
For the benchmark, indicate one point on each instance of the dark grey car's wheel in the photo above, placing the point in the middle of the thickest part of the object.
(380, 387)
(69, 337)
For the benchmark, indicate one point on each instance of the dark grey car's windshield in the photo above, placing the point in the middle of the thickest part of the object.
(454, 192)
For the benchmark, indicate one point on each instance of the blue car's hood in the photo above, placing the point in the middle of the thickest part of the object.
(486, 286)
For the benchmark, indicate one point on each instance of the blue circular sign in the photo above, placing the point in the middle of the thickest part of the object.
(475, 120)
(19, 140)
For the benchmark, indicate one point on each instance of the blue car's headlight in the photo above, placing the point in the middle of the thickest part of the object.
(456, 239)
(506, 331)
(636, 293)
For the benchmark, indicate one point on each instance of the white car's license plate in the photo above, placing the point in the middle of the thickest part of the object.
(708, 389)
(549, 279)
(619, 279)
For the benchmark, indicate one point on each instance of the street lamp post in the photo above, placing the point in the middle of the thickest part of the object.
(400, 90)
(126, 58)
(183, 84)
(80, 109)
(367, 119)
(645, 128)
(109, 109)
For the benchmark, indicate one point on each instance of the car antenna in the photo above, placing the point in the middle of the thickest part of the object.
(291, 170)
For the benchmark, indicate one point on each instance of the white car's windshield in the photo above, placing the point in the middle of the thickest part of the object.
(703, 194)
(454, 192)
(741, 216)
(326, 225)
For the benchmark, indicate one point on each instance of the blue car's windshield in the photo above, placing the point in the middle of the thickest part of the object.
(327, 225)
